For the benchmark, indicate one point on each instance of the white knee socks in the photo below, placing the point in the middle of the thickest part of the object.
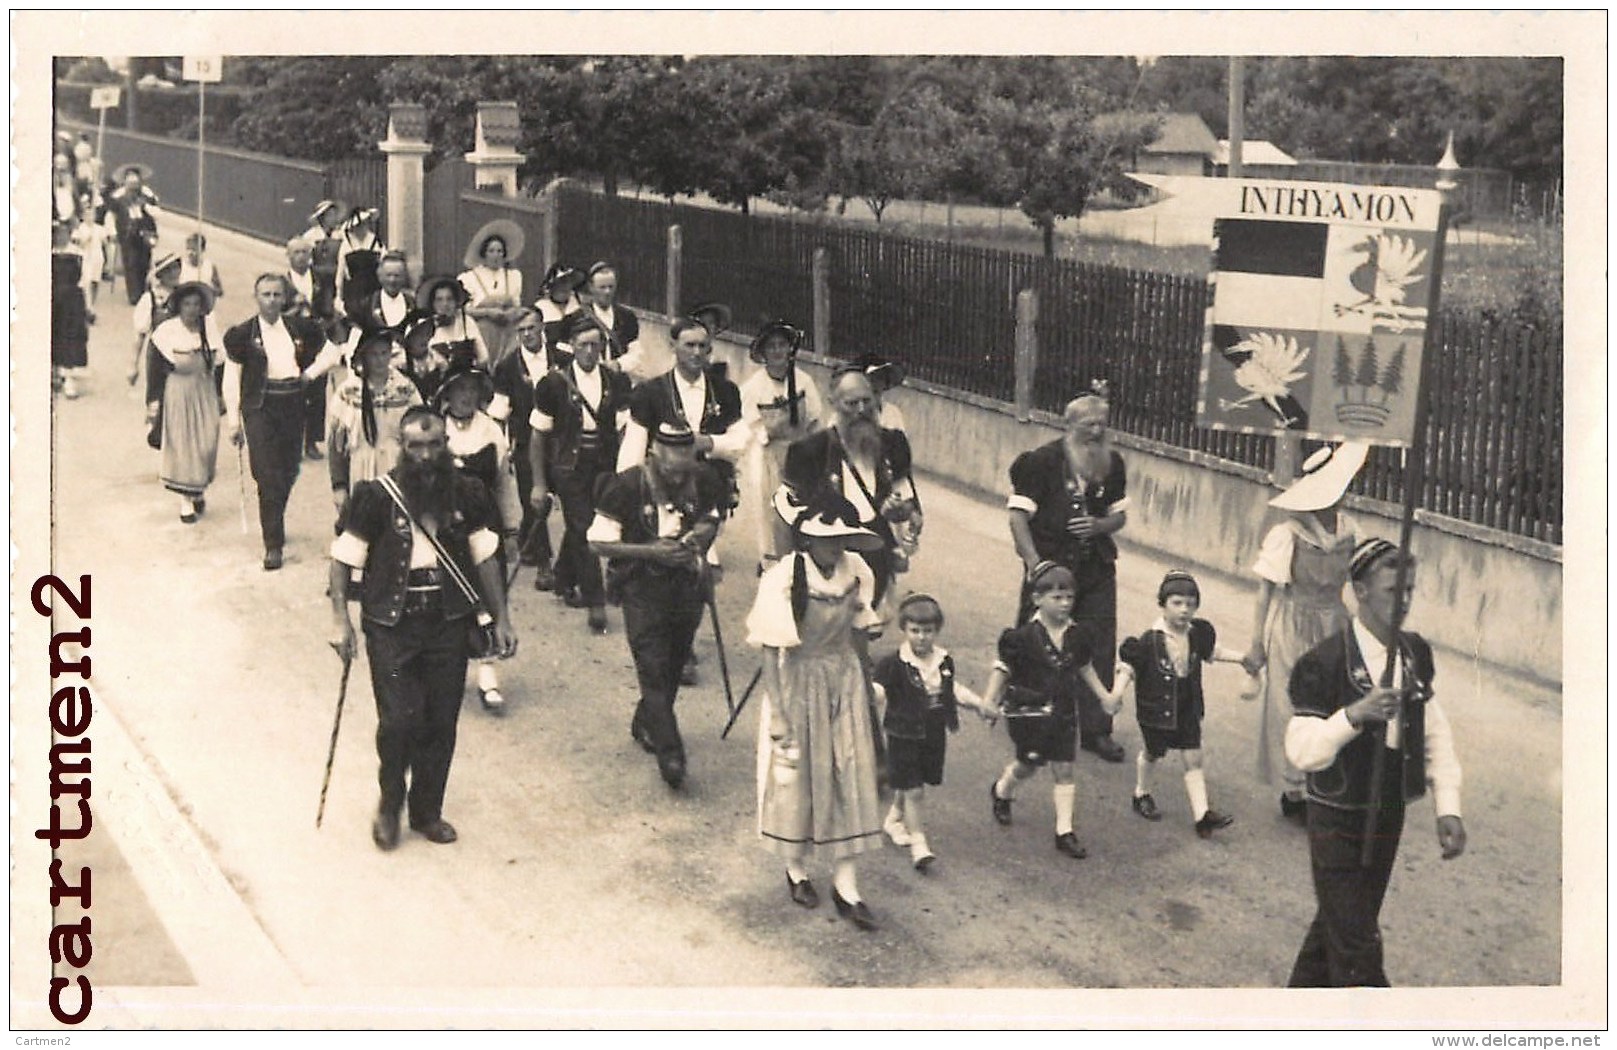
(1142, 774)
(487, 677)
(1196, 788)
(1064, 795)
(1008, 782)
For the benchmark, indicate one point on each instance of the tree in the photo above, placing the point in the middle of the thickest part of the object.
(314, 108)
(1341, 366)
(1392, 377)
(1369, 367)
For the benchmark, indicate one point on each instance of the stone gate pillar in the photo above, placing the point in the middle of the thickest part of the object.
(495, 160)
(406, 149)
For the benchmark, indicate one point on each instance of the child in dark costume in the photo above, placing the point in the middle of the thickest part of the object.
(1165, 662)
(921, 697)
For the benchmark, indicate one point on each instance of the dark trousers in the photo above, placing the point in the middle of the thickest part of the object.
(314, 412)
(418, 670)
(275, 454)
(1094, 610)
(1343, 946)
(137, 259)
(575, 487)
(535, 544)
(660, 616)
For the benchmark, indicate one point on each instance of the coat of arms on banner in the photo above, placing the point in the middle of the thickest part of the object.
(1320, 302)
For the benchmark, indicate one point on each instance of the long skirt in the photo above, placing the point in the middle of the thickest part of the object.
(829, 798)
(190, 432)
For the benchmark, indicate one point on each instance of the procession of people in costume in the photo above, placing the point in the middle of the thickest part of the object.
(457, 417)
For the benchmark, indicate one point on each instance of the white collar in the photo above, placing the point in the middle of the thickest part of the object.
(907, 654)
(691, 384)
(1370, 648)
(274, 326)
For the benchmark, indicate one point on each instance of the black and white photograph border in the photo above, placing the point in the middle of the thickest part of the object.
(584, 893)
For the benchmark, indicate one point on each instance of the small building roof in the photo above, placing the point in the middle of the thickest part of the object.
(1253, 151)
(1183, 133)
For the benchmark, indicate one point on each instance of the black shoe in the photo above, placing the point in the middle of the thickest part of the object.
(1068, 844)
(1104, 746)
(440, 831)
(544, 579)
(639, 735)
(272, 559)
(189, 517)
(598, 619)
(312, 451)
(672, 768)
(1146, 806)
(858, 911)
(1002, 806)
(385, 829)
(574, 600)
(1211, 821)
(803, 893)
(1294, 809)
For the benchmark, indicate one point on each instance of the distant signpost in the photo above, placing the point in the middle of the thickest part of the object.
(204, 69)
(103, 99)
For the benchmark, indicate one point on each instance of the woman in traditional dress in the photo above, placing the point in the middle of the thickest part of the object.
(1302, 568)
(70, 331)
(780, 403)
(558, 300)
(494, 285)
(358, 256)
(816, 748)
(182, 393)
(152, 308)
(363, 428)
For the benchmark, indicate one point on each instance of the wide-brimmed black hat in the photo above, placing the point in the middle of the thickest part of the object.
(186, 288)
(166, 261)
(571, 276)
(370, 337)
(430, 286)
(882, 373)
(713, 316)
(793, 334)
(462, 371)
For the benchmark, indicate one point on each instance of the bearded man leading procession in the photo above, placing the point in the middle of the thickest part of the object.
(269, 361)
(857, 460)
(1067, 499)
(573, 444)
(415, 616)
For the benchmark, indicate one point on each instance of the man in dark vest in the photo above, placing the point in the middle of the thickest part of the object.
(655, 521)
(134, 207)
(1068, 497)
(415, 619)
(269, 361)
(1342, 716)
(857, 460)
(573, 442)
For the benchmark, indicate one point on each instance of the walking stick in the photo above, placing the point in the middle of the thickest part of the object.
(331, 754)
(746, 695)
(718, 636)
(527, 541)
(241, 484)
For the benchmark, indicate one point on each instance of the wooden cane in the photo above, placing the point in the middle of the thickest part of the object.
(331, 752)
(746, 695)
(241, 484)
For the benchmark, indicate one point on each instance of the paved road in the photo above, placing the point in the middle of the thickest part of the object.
(578, 869)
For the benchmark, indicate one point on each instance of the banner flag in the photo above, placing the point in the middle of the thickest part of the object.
(1320, 300)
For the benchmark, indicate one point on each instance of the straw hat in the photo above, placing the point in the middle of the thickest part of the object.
(121, 172)
(506, 230)
(329, 205)
(1325, 477)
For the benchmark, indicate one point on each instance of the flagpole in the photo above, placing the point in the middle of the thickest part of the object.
(1414, 481)
(202, 123)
